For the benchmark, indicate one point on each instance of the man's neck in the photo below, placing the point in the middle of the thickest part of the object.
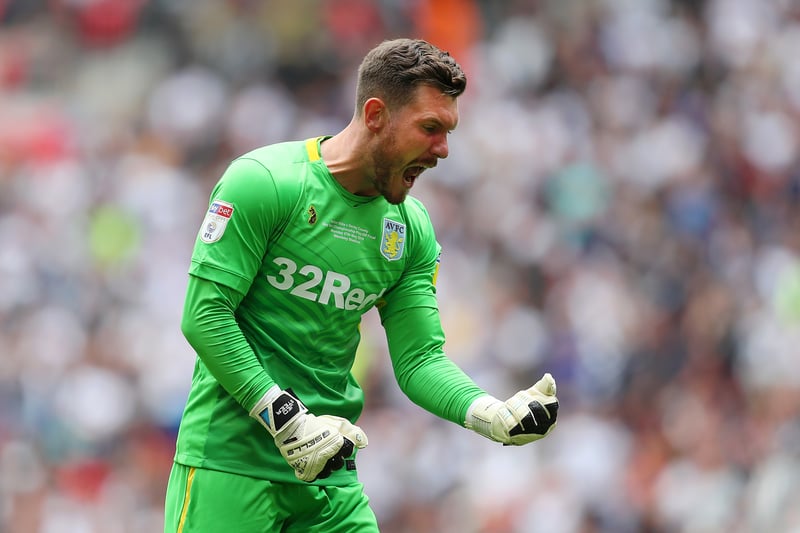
(345, 158)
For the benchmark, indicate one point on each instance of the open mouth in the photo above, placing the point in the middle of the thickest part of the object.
(411, 174)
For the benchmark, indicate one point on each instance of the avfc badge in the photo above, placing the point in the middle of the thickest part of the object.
(217, 217)
(393, 239)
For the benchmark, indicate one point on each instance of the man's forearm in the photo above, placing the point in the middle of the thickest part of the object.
(209, 325)
(423, 371)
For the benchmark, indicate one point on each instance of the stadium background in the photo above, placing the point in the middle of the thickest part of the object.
(620, 207)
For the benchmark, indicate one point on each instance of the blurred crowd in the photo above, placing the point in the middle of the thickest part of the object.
(621, 207)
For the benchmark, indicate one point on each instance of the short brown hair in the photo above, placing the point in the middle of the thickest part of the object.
(393, 69)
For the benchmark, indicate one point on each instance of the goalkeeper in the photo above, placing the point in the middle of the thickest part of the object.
(300, 239)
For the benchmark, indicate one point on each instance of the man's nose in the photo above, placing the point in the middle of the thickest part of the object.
(440, 148)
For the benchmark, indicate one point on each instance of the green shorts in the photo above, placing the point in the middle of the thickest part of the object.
(208, 501)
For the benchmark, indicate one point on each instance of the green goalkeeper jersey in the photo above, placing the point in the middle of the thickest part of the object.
(305, 259)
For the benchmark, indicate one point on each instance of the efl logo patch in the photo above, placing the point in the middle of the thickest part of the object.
(393, 239)
(216, 219)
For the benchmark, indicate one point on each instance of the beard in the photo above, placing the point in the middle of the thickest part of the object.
(383, 184)
(385, 168)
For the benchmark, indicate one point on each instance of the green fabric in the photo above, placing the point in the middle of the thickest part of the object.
(424, 374)
(284, 265)
(209, 323)
(209, 501)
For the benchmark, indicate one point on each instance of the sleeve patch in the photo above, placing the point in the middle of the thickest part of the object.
(217, 217)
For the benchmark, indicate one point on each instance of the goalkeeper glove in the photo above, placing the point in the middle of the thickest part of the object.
(527, 416)
(314, 446)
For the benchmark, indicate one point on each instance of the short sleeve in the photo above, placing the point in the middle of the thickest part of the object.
(244, 209)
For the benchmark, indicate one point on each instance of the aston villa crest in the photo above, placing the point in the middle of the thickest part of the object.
(393, 239)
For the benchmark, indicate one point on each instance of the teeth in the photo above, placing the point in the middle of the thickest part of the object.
(412, 173)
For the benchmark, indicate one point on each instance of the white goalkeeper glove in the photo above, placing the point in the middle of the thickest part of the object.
(527, 416)
(314, 446)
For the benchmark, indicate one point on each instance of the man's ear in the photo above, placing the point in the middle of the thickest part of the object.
(375, 114)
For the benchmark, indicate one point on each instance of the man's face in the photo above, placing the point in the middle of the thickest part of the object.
(414, 139)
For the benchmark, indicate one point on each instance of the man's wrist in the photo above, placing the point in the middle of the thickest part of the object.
(276, 409)
(480, 415)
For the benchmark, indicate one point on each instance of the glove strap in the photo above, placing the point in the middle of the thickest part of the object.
(277, 408)
(480, 414)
